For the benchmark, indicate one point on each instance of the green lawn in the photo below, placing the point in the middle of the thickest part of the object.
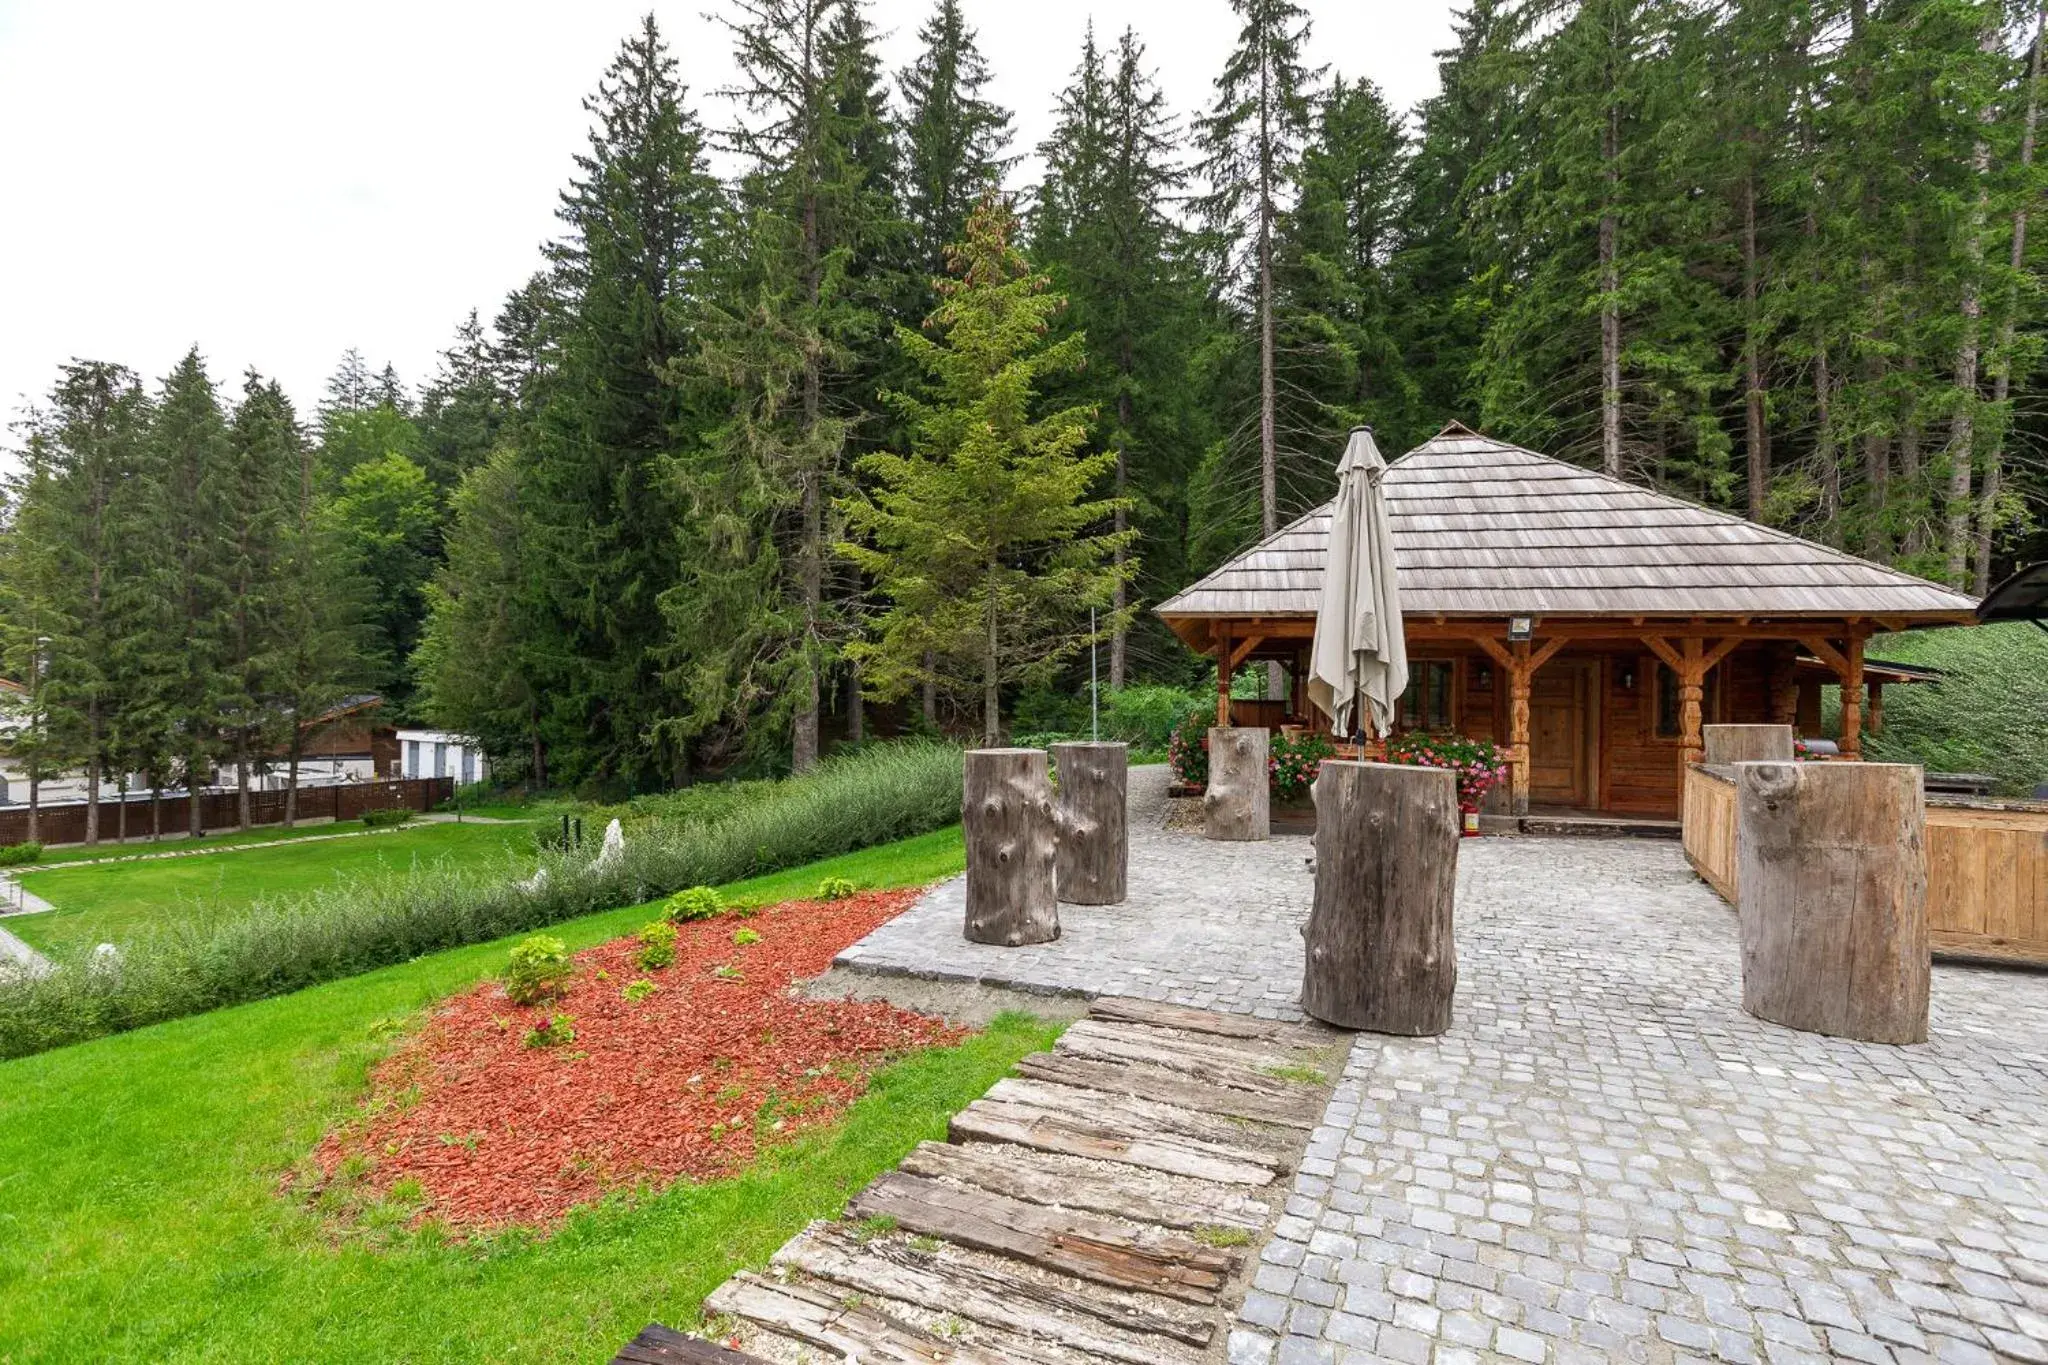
(139, 1214)
(139, 846)
(109, 902)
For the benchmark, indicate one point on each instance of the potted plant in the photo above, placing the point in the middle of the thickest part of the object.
(1476, 763)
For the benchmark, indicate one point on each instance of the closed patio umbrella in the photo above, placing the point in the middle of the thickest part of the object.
(1360, 651)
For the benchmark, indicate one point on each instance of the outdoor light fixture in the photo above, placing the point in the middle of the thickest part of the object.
(1521, 627)
(1628, 678)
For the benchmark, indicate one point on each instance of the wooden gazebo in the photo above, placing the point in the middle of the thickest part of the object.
(1589, 625)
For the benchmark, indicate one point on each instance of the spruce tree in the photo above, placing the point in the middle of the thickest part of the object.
(255, 510)
(387, 518)
(463, 408)
(1252, 139)
(981, 536)
(626, 279)
(953, 139)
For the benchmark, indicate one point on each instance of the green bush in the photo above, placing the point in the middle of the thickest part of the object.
(836, 888)
(1294, 762)
(636, 991)
(1188, 750)
(657, 946)
(20, 855)
(696, 902)
(204, 961)
(1988, 714)
(1145, 717)
(386, 817)
(540, 970)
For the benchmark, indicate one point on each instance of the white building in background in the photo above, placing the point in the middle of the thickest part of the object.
(440, 753)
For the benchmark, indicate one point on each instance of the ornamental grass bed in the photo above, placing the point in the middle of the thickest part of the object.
(472, 1126)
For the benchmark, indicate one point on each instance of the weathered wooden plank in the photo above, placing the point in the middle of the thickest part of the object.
(992, 1121)
(1101, 1323)
(1115, 1041)
(1295, 1105)
(1040, 1178)
(1141, 1117)
(1129, 1010)
(659, 1345)
(1105, 1250)
(822, 1319)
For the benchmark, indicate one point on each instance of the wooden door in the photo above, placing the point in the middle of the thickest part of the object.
(1560, 698)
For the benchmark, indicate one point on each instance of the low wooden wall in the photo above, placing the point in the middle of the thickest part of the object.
(1987, 867)
(65, 824)
(1709, 825)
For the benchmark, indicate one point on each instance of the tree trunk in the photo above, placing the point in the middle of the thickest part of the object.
(195, 825)
(2001, 381)
(1962, 427)
(1120, 594)
(1381, 953)
(1238, 803)
(1610, 303)
(291, 779)
(1007, 815)
(1269, 439)
(1094, 842)
(92, 800)
(1832, 871)
(991, 678)
(242, 778)
(1747, 744)
(1756, 435)
(856, 709)
(1824, 448)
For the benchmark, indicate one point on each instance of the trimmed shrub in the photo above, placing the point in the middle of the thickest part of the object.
(20, 855)
(386, 817)
(205, 960)
(540, 970)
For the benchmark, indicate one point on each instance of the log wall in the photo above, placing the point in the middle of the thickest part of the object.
(1987, 868)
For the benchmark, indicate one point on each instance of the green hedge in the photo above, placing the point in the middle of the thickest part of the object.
(885, 793)
(1989, 714)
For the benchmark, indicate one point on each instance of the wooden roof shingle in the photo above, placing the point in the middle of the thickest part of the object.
(1483, 528)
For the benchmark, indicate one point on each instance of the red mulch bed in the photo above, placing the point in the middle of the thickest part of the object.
(684, 1085)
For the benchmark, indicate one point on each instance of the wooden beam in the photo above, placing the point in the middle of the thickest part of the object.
(1852, 697)
(1519, 672)
(1237, 655)
(1223, 674)
(1723, 649)
(1692, 678)
(1819, 648)
(1661, 647)
(1494, 650)
(1547, 653)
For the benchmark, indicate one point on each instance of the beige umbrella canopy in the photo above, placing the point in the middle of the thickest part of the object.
(1360, 650)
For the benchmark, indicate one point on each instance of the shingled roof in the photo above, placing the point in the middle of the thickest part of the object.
(1484, 528)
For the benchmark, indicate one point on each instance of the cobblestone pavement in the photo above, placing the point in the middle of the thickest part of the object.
(1604, 1159)
(1211, 925)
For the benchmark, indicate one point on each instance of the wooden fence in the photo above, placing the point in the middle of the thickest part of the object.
(1987, 867)
(65, 824)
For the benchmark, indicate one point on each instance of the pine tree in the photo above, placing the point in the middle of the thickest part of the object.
(626, 278)
(32, 594)
(979, 537)
(1252, 137)
(1105, 231)
(183, 650)
(255, 512)
(463, 409)
(387, 518)
(953, 139)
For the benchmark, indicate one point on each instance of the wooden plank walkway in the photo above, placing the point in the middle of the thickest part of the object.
(1100, 1204)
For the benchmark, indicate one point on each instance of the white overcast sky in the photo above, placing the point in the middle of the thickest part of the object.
(278, 181)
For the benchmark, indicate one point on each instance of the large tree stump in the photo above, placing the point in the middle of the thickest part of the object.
(1238, 804)
(1094, 841)
(1381, 954)
(1747, 744)
(1832, 878)
(1006, 809)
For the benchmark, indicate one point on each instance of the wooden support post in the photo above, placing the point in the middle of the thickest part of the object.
(1852, 697)
(1094, 843)
(1238, 804)
(1223, 677)
(1519, 677)
(1747, 744)
(1784, 684)
(1692, 688)
(1006, 809)
(1381, 954)
(1832, 884)
(1873, 723)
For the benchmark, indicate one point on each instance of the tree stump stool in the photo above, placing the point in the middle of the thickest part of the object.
(1006, 812)
(1238, 803)
(1747, 744)
(1832, 875)
(1381, 951)
(1094, 841)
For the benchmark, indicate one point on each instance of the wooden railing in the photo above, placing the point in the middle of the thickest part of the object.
(1987, 867)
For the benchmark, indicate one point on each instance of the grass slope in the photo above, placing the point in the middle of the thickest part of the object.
(109, 902)
(138, 1178)
(138, 845)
